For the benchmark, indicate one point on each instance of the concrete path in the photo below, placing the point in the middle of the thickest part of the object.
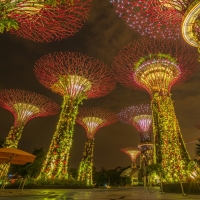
(92, 194)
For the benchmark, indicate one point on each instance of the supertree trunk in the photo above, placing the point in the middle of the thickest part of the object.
(12, 141)
(146, 146)
(14, 136)
(56, 162)
(4, 167)
(169, 149)
(86, 165)
(146, 155)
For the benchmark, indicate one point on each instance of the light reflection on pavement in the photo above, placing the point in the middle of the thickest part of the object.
(90, 194)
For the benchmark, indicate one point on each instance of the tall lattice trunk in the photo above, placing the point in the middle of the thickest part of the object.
(86, 165)
(170, 150)
(12, 141)
(56, 161)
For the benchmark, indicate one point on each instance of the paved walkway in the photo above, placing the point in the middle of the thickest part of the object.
(92, 194)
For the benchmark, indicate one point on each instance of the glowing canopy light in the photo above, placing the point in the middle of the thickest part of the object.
(74, 75)
(94, 118)
(132, 152)
(25, 111)
(171, 4)
(180, 6)
(29, 7)
(72, 85)
(26, 105)
(139, 116)
(143, 122)
(190, 24)
(157, 75)
(92, 123)
(180, 63)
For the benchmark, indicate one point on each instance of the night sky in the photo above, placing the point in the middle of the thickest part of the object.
(103, 35)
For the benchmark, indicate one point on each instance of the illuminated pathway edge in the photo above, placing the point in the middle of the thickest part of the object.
(90, 194)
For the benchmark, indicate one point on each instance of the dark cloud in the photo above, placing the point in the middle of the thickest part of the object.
(106, 33)
(103, 35)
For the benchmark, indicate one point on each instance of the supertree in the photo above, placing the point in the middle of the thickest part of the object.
(75, 77)
(92, 119)
(140, 117)
(166, 18)
(45, 20)
(156, 65)
(24, 105)
(133, 153)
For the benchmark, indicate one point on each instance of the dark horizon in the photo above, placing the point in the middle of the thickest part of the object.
(103, 35)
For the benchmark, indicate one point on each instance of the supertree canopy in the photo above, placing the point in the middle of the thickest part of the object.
(92, 119)
(165, 18)
(75, 77)
(25, 106)
(140, 117)
(188, 12)
(133, 171)
(149, 17)
(43, 21)
(133, 153)
(156, 66)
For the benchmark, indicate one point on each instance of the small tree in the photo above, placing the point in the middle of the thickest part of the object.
(30, 169)
(33, 169)
(100, 177)
(155, 171)
(73, 173)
